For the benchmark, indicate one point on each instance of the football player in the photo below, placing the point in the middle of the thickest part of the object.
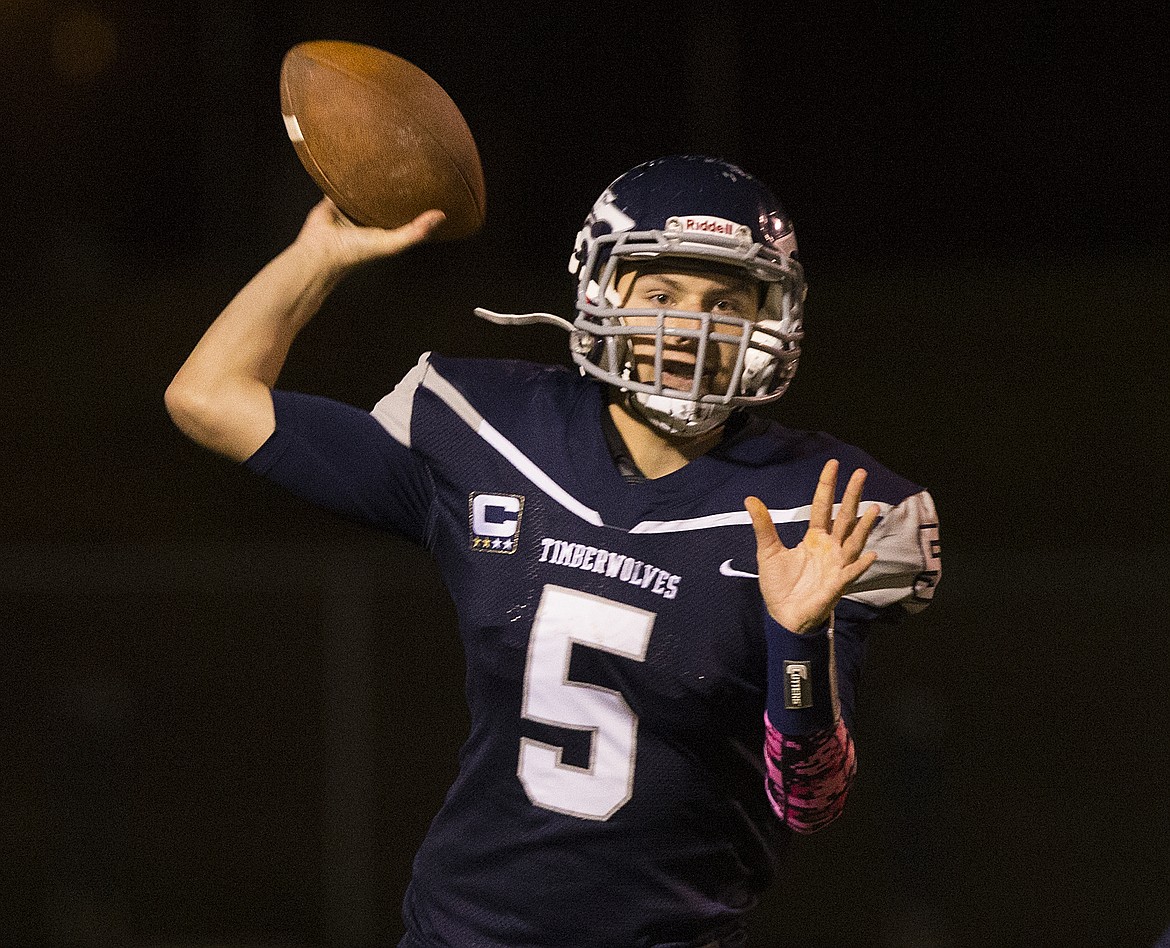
(663, 599)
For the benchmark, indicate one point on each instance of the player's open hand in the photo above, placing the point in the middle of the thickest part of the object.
(344, 244)
(802, 585)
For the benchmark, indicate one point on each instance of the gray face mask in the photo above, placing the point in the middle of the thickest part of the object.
(766, 350)
(690, 416)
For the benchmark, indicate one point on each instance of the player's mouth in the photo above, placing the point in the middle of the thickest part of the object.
(686, 380)
(678, 371)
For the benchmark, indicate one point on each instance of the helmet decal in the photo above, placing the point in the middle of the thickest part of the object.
(605, 218)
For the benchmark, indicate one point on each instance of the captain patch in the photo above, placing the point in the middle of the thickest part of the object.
(495, 521)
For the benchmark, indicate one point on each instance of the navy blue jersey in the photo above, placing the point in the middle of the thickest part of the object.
(612, 788)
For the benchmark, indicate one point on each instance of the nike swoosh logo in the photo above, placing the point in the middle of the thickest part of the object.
(726, 569)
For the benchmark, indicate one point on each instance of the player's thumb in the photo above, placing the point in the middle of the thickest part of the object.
(371, 243)
(413, 232)
(766, 536)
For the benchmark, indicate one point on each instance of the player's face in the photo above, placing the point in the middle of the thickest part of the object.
(676, 286)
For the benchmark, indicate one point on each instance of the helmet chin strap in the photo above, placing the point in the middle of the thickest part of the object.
(679, 417)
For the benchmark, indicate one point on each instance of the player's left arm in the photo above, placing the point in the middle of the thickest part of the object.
(808, 748)
(816, 640)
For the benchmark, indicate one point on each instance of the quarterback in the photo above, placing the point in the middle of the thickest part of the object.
(663, 598)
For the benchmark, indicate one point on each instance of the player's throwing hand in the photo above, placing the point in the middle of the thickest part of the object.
(802, 585)
(327, 231)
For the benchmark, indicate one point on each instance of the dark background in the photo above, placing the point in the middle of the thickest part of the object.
(228, 718)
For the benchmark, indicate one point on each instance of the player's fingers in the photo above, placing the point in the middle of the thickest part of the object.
(856, 541)
(427, 221)
(854, 571)
(821, 512)
(385, 242)
(766, 536)
(847, 512)
(412, 232)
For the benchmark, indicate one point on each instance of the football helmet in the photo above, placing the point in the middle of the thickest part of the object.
(710, 212)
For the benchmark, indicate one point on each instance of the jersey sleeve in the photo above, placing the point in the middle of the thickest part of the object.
(357, 464)
(812, 679)
(909, 563)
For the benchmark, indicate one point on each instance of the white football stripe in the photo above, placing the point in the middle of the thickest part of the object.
(294, 128)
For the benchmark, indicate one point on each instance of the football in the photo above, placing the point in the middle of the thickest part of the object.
(381, 137)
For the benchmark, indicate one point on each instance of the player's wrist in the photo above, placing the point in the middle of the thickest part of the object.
(796, 624)
(325, 260)
(800, 695)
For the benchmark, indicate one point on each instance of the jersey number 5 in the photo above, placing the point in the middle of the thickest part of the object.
(566, 617)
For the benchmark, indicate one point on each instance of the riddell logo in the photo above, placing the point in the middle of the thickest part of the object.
(707, 225)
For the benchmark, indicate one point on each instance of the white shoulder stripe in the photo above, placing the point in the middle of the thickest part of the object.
(394, 411)
(793, 515)
(909, 564)
(517, 458)
(452, 397)
(525, 466)
(694, 523)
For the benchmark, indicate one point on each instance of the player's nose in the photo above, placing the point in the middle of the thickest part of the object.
(684, 327)
(685, 304)
(689, 303)
(678, 334)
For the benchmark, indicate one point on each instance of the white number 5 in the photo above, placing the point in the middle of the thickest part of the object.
(564, 617)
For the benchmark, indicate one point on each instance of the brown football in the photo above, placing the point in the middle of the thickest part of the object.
(381, 137)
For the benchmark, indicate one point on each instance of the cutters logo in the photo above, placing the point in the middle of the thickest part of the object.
(797, 693)
(708, 225)
(495, 522)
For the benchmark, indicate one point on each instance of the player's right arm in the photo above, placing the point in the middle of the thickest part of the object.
(222, 395)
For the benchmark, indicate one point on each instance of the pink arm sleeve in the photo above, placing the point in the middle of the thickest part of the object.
(808, 775)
